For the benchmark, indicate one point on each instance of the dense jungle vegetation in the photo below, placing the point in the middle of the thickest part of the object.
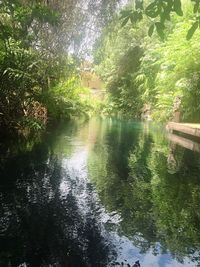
(148, 57)
(41, 47)
(146, 52)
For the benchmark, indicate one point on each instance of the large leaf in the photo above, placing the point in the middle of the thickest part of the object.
(165, 16)
(125, 21)
(192, 30)
(136, 16)
(139, 4)
(125, 13)
(153, 10)
(177, 7)
(196, 6)
(151, 29)
(160, 29)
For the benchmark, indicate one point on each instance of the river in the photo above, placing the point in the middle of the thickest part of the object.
(103, 192)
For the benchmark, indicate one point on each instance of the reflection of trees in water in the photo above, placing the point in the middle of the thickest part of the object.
(157, 204)
(37, 225)
(132, 175)
(170, 197)
(108, 162)
(141, 222)
(174, 196)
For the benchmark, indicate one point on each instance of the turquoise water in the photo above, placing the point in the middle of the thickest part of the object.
(105, 192)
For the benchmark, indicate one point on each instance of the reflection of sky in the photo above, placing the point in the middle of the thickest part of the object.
(77, 185)
(128, 253)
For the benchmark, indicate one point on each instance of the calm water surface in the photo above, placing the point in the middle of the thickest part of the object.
(100, 193)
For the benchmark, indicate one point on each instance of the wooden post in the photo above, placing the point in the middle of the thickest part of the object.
(176, 109)
(177, 116)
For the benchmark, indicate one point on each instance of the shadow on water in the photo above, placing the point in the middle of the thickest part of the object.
(100, 193)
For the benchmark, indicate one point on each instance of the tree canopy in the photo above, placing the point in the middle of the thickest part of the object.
(41, 45)
(160, 12)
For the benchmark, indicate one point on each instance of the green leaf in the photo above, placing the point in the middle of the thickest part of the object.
(151, 29)
(153, 10)
(135, 16)
(164, 17)
(192, 30)
(125, 21)
(196, 7)
(177, 7)
(139, 4)
(166, 13)
(160, 29)
(125, 13)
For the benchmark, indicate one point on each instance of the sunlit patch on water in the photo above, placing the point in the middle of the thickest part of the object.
(75, 181)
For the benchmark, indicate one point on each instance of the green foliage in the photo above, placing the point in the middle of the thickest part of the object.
(177, 74)
(23, 67)
(162, 10)
(64, 100)
(118, 57)
(140, 71)
(30, 126)
(35, 39)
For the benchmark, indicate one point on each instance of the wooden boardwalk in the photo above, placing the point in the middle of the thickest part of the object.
(187, 143)
(187, 128)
